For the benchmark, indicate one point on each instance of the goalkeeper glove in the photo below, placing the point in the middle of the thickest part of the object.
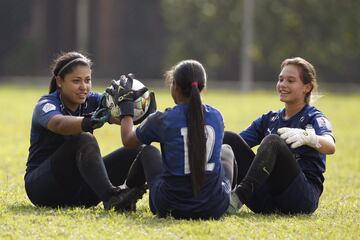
(123, 94)
(298, 137)
(96, 120)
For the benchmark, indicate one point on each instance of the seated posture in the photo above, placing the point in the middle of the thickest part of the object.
(192, 176)
(65, 167)
(286, 174)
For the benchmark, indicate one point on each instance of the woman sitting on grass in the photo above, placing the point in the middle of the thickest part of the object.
(65, 167)
(286, 174)
(188, 180)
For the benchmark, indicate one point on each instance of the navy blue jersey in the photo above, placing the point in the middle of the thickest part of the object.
(44, 142)
(169, 128)
(310, 160)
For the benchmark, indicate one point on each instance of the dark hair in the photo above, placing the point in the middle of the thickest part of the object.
(64, 63)
(307, 74)
(190, 77)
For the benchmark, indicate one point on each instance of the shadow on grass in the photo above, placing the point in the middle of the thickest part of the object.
(143, 216)
(273, 216)
(29, 209)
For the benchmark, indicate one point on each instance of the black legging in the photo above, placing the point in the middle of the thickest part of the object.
(145, 168)
(274, 162)
(243, 153)
(76, 174)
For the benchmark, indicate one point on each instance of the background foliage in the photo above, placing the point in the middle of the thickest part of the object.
(146, 38)
(323, 32)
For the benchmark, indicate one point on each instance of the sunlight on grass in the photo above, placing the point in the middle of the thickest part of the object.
(337, 216)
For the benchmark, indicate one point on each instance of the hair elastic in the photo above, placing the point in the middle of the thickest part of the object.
(194, 84)
(79, 59)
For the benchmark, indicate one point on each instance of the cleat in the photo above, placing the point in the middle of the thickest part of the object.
(124, 199)
(132, 206)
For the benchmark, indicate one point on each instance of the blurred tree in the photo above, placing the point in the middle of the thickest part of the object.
(14, 18)
(324, 32)
(128, 36)
(146, 37)
(207, 30)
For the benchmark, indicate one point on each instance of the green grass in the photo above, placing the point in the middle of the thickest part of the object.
(336, 218)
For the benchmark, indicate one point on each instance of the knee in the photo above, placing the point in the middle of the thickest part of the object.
(227, 153)
(86, 144)
(150, 155)
(84, 139)
(272, 139)
(229, 137)
(150, 150)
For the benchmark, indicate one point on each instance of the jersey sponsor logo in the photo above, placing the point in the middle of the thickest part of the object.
(323, 123)
(48, 107)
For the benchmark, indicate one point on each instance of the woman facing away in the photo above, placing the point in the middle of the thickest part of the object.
(286, 174)
(192, 176)
(64, 166)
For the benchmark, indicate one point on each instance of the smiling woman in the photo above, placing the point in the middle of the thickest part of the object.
(65, 167)
(286, 174)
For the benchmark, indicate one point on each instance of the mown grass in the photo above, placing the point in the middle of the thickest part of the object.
(337, 217)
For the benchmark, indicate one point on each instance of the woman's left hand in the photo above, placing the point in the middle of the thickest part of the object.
(298, 137)
(97, 120)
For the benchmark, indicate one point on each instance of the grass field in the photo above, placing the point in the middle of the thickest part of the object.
(338, 215)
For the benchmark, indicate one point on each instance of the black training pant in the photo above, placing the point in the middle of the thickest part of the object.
(271, 180)
(63, 180)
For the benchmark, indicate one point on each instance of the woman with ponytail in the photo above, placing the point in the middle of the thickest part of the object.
(192, 179)
(286, 174)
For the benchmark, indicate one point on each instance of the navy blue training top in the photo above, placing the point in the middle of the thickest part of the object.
(43, 142)
(169, 128)
(311, 161)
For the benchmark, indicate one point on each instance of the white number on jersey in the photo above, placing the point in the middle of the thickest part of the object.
(210, 142)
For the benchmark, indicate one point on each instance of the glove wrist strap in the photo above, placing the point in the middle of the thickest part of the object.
(86, 124)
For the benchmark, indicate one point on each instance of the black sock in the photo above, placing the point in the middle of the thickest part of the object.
(92, 168)
(136, 176)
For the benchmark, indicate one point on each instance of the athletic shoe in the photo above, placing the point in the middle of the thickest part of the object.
(132, 206)
(124, 199)
(235, 203)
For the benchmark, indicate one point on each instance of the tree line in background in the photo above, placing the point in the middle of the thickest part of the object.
(147, 38)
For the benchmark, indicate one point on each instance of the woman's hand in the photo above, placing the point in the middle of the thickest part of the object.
(298, 137)
(123, 94)
(96, 120)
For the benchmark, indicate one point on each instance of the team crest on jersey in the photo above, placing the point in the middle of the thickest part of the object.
(323, 123)
(48, 107)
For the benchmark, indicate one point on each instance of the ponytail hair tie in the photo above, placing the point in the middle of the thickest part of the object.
(194, 84)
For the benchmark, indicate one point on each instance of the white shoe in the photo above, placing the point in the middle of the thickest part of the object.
(235, 203)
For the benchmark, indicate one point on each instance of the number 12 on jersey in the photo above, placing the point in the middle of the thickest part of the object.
(210, 142)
